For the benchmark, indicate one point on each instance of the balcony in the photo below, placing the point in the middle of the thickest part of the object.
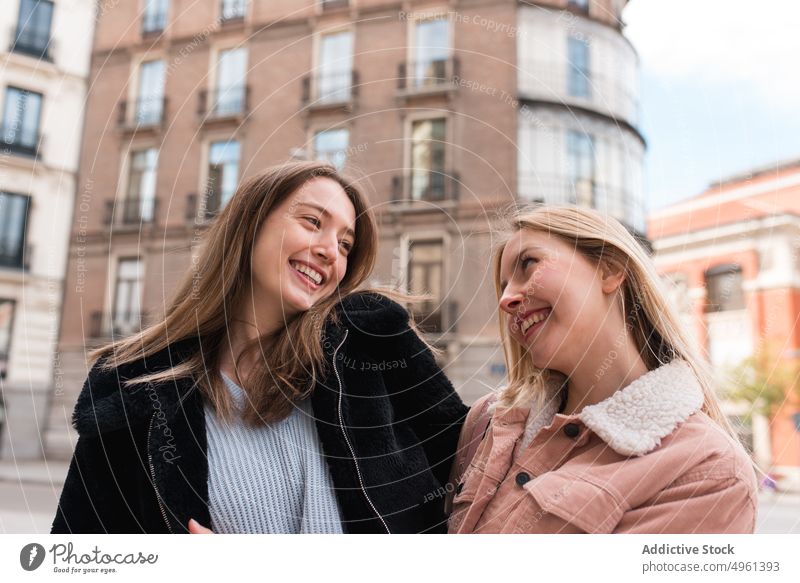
(333, 4)
(131, 212)
(614, 96)
(231, 103)
(115, 325)
(14, 256)
(33, 42)
(20, 141)
(435, 317)
(427, 77)
(330, 90)
(425, 186)
(144, 113)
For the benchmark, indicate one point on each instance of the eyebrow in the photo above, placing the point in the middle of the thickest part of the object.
(326, 214)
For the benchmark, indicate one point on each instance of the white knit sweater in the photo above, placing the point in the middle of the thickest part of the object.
(269, 479)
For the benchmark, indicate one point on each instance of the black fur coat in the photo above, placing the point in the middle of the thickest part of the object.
(140, 463)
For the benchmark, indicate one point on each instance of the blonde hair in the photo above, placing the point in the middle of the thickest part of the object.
(649, 316)
(207, 295)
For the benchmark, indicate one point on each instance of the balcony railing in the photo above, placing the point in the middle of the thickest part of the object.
(334, 4)
(205, 208)
(14, 257)
(330, 88)
(425, 185)
(116, 325)
(146, 112)
(609, 94)
(427, 75)
(32, 42)
(131, 211)
(20, 140)
(436, 317)
(221, 103)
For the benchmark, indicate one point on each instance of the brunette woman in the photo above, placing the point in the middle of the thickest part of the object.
(272, 396)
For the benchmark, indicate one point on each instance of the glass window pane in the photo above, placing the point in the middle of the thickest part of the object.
(331, 145)
(428, 159)
(335, 66)
(13, 225)
(223, 173)
(6, 323)
(21, 116)
(432, 48)
(578, 68)
(151, 92)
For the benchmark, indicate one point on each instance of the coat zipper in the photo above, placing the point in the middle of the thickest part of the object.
(347, 439)
(153, 476)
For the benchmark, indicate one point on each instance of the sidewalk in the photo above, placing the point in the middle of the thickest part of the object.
(34, 472)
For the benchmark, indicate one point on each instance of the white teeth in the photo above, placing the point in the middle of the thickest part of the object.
(315, 276)
(534, 319)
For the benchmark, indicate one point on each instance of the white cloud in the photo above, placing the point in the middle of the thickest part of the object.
(750, 45)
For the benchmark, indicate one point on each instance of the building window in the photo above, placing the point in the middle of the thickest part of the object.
(154, 18)
(335, 67)
(127, 312)
(578, 83)
(724, 288)
(426, 277)
(21, 115)
(229, 94)
(581, 167)
(331, 145)
(233, 9)
(32, 35)
(13, 228)
(431, 52)
(140, 199)
(150, 102)
(223, 174)
(427, 159)
(6, 326)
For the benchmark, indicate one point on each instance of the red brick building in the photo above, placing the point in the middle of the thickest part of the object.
(733, 255)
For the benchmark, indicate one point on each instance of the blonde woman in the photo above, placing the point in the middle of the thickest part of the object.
(609, 423)
(271, 398)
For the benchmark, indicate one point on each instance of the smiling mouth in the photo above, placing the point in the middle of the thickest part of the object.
(534, 319)
(309, 273)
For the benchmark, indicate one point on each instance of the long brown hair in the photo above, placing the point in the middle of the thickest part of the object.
(651, 319)
(288, 369)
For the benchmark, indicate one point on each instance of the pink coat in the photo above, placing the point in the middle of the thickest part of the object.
(645, 460)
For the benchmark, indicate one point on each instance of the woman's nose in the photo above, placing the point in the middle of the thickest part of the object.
(511, 300)
(326, 248)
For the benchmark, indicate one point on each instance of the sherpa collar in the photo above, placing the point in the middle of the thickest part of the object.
(635, 419)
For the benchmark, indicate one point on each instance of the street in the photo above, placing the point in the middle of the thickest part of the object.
(31, 510)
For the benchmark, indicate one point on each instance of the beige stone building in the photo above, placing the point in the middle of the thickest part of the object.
(44, 64)
(448, 111)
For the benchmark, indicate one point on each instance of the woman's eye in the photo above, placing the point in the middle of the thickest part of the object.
(346, 246)
(314, 221)
(528, 261)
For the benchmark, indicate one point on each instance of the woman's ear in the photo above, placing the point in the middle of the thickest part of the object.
(612, 275)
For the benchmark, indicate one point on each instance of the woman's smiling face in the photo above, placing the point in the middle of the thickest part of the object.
(554, 298)
(300, 252)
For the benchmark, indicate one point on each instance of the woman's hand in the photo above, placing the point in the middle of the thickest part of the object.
(196, 528)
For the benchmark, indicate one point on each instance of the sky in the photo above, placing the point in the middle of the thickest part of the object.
(720, 89)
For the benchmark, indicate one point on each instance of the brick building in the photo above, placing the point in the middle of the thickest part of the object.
(448, 110)
(733, 255)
